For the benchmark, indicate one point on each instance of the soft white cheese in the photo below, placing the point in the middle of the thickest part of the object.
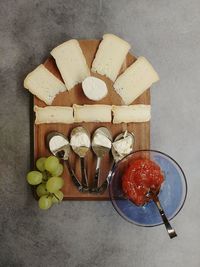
(110, 56)
(58, 142)
(53, 114)
(94, 88)
(80, 140)
(92, 113)
(43, 84)
(135, 80)
(71, 63)
(102, 140)
(123, 146)
(132, 113)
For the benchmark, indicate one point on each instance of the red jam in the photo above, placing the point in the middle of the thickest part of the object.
(141, 176)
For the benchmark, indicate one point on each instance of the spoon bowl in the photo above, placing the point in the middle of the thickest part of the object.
(80, 141)
(100, 148)
(122, 136)
(58, 145)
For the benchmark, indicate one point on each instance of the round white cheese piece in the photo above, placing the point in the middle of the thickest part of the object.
(94, 88)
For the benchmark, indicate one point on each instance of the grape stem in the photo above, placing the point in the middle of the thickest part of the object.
(56, 197)
(46, 176)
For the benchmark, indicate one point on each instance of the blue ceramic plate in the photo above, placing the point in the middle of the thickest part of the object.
(172, 194)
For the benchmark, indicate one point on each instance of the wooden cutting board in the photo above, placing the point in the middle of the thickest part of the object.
(141, 130)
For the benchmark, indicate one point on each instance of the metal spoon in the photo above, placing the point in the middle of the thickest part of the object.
(117, 157)
(59, 146)
(154, 196)
(101, 145)
(80, 143)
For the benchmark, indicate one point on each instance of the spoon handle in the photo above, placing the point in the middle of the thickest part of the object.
(96, 176)
(73, 176)
(170, 230)
(84, 180)
(105, 184)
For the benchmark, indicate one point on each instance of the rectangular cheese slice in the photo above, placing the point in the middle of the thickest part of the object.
(132, 113)
(54, 114)
(92, 113)
(43, 84)
(110, 56)
(71, 63)
(135, 80)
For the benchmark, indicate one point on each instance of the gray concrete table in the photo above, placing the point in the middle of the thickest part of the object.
(91, 233)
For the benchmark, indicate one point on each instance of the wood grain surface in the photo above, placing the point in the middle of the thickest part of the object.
(141, 130)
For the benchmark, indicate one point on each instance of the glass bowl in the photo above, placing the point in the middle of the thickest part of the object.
(172, 193)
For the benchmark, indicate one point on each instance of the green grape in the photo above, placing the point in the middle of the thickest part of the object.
(51, 164)
(54, 184)
(40, 164)
(57, 197)
(45, 202)
(59, 170)
(41, 190)
(34, 177)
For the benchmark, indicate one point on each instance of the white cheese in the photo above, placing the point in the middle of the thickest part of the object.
(94, 88)
(123, 146)
(43, 84)
(79, 140)
(57, 142)
(71, 63)
(53, 114)
(92, 113)
(110, 56)
(132, 113)
(135, 80)
(102, 140)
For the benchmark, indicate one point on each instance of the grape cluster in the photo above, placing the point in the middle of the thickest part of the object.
(48, 181)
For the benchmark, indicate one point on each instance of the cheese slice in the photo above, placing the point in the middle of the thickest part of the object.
(135, 80)
(53, 114)
(92, 113)
(110, 56)
(43, 84)
(132, 113)
(71, 63)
